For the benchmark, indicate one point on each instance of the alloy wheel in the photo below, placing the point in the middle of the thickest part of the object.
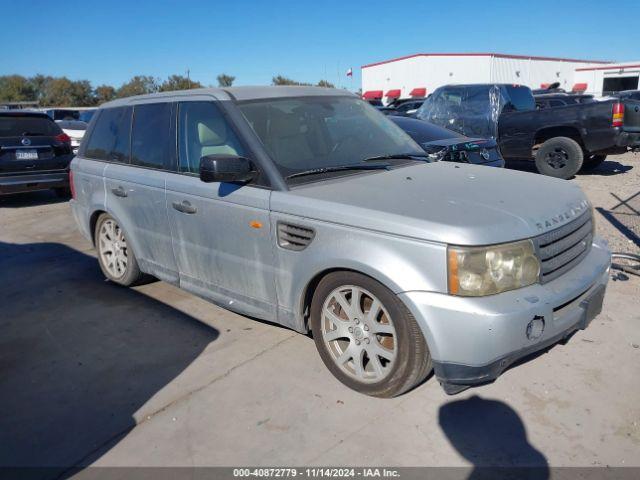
(359, 333)
(113, 248)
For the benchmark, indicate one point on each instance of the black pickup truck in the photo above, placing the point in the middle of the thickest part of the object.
(561, 140)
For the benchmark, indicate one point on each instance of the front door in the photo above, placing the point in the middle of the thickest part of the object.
(221, 237)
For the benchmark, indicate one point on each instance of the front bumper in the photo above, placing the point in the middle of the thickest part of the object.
(34, 181)
(472, 340)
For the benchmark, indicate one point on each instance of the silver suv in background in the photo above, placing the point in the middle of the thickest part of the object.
(307, 207)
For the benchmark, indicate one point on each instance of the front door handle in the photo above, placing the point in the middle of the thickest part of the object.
(185, 207)
(119, 192)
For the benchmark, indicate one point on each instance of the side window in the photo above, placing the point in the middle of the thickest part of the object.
(151, 136)
(203, 130)
(110, 137)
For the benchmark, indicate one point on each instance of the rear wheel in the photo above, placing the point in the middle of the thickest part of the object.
(592, 161)
(559, 157)
(115, 256)
(366, 336)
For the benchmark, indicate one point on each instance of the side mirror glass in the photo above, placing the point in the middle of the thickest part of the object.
(226, 168)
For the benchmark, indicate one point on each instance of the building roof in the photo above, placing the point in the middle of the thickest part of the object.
(488, 54)
(235, 94)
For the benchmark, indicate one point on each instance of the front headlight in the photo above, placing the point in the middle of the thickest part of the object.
(478, 271)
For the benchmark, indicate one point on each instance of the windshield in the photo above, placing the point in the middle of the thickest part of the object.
(308, 133)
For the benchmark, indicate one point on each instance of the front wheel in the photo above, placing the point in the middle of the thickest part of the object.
(559, 157)
(366, 336)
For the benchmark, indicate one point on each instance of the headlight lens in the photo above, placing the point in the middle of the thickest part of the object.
(478, 271)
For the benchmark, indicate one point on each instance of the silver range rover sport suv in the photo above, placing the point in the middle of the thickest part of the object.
(307, 207)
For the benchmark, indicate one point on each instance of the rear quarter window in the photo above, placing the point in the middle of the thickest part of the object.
(17, 126)
(110, 136)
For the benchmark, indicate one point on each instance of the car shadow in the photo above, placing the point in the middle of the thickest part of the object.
(491, 436)
(30, 199)
(79, 356)
(607, 168)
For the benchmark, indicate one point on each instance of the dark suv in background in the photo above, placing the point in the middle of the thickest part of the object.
(34, 153)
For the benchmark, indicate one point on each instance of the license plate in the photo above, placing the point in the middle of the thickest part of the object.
(26, 154)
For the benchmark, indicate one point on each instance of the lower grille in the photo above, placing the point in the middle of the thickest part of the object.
(563, 248)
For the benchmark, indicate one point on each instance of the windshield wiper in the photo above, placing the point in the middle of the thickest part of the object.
(338, 168)
(32, 134)
(397, 156)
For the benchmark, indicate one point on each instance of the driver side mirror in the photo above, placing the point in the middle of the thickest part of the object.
(226, 168)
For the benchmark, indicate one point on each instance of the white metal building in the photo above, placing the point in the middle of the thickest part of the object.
(420, 74)
(614, 77)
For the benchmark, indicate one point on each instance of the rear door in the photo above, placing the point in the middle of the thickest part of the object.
(221, 231)
(31, 143)
(135, 190)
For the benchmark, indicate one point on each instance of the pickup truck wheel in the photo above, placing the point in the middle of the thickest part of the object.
(592, 161)
(559, 157)
(115, 256)
(366, 336)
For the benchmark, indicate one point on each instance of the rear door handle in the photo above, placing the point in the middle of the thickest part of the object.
(119, 192)
(185, 207)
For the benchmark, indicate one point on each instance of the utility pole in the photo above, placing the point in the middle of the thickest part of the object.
(188, 79)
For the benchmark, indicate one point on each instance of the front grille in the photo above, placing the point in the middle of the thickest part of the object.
(563, 248)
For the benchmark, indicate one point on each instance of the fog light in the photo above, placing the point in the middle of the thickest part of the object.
(535, 328)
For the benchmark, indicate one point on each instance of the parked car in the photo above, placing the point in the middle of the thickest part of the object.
(306, 207)
(560, 140)
(86, 114)
(446, 145)
(552, 100)
(75, 129)
(408, 106)
(62, 113)
(34, 153)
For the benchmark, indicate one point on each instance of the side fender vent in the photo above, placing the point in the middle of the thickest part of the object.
(294, 237)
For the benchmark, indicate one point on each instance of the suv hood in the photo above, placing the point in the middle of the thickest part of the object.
(442, 202)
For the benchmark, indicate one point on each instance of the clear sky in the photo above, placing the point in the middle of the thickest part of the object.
(112, 40)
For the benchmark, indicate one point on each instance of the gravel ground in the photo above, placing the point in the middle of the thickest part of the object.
(614, 190)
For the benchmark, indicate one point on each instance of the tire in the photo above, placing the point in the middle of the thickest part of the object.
(592, 161)
(392, 352)
(559, 157)
(130, 273)
(63, 192)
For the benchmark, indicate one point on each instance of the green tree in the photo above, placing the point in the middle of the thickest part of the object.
(280, 80)
(178, 82)
(40, 83)
(225, 80)
(138, 85)
(104, 93)
(62, 92)
(326, 84)
(16, 88)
